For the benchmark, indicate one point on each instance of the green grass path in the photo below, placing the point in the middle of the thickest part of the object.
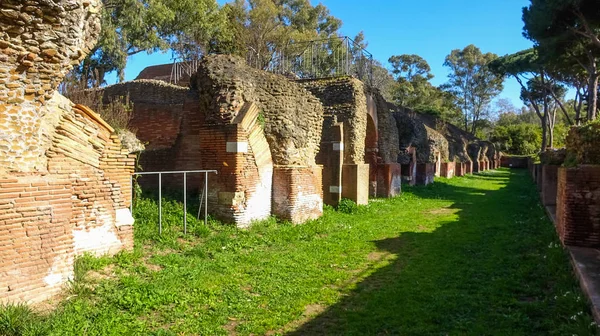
(467, 256)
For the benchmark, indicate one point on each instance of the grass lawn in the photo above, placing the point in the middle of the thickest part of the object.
(467, 256)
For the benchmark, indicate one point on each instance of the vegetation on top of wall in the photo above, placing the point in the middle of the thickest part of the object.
(582, 144)
(553, 156)
(116, 111)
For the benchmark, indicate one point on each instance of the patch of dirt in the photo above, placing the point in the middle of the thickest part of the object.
(313, 309)
(377, 256)
(231, 325)
(442, 211)
(105, 273)
(421, 228)
(48, 306)
(310, 311)
(154, 267)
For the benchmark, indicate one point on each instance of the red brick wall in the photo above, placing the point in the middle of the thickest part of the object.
(448, 169)
(425, 173)
(297, 193)
(469, 167)
(459, 169)
(549, 184)
(482, 166)
(241, 190)
(46, 220)
(538, 176)
(578, 205)
(389, 180)
(157, 125)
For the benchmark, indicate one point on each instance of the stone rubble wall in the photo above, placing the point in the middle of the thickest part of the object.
(344, 101)
(40, 41)
(457, 138)
(389, 142)
(65, 181)
(413, 132)
(236, 120)
(293, 117)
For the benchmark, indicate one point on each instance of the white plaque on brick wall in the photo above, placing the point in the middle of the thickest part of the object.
(338, 146)
(335, 189)
(237, 147)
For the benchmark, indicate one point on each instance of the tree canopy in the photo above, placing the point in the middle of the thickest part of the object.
(473, 83)
(569, 31)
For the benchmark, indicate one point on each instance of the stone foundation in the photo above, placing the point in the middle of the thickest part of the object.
(297, 193)
(459, 169)
(355, 183)
(578, 205)
(549, 184)
(425, 173)
(389, 180)
(447, 169)
(468, 168)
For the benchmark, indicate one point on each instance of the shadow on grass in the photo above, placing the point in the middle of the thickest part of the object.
(494, 270)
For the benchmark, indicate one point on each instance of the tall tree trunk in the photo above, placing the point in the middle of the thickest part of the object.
(592, 86)
(544, 133)
(592, 97)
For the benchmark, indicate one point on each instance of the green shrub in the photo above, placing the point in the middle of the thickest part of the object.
(20, 320)
(582, 143)
(347, 206)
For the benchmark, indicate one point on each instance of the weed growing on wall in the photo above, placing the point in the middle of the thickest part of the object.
(261, 119)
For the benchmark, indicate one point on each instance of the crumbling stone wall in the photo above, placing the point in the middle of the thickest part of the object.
(412, 131)
(457, 138)
(389, 142)
(344, 101)
(64, 179)
(40, 40)
(293, 117)
(247, 124)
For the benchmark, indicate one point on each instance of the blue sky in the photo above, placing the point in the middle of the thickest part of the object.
(429, 28)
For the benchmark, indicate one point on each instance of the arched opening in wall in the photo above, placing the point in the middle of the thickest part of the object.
(372, 154)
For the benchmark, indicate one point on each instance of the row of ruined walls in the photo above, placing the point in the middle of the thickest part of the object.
(64, 178)
(339, 132)
(260, 133)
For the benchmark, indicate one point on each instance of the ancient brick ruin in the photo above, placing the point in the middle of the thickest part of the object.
(284, 147)
(577, 187)
(362, 140)
(64, 179)
(260, 131)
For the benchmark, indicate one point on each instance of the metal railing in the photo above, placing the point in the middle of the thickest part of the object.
(203, 198)
(183, 69)
(331, 57)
